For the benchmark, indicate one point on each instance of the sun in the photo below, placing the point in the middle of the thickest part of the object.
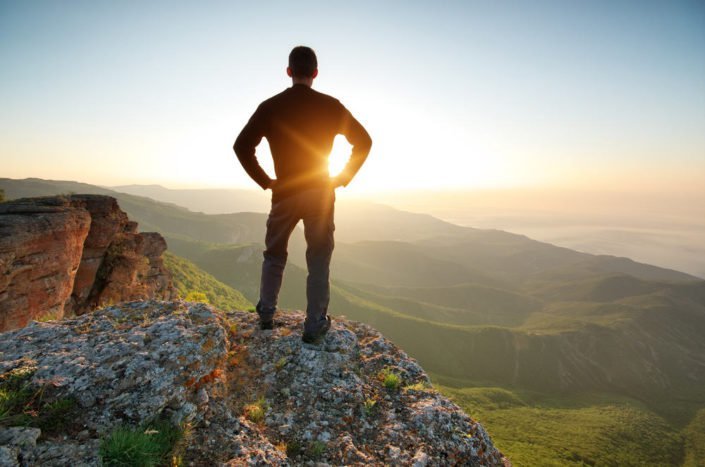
(339, 155)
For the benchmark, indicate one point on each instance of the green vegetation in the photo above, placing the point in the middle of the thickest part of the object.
(281, 363)
(194, 284)
(532, 429)
(198, 297)
(25, 404)
(2, 195)
(695, 440)
(316, 449)
(256, 411)
(390, 380)
(148, 446)
(293, 449)
(369, 407)
(422, 386)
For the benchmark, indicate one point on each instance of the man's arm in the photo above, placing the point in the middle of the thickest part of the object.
(361, 142)
(245, 145)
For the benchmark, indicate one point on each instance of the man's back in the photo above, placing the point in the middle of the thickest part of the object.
(300, 125)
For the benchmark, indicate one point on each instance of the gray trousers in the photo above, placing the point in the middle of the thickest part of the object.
(315, 207)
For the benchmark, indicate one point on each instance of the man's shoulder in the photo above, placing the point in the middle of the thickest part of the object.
(273, 99)
(325, 97)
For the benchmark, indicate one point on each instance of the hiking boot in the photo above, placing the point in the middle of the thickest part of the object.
(317, 337)
(266, 316)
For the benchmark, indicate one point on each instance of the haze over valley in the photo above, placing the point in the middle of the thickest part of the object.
(664, 229)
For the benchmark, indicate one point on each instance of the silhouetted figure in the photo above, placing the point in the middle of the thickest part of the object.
(300, 125)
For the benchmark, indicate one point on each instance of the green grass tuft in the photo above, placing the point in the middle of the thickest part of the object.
(390, 380)
(56, 416)
(256, 411)
(316, 449)
(194, 296)
(141, 447)
(281, 363)
(16, 396)
(25, 404)
(369, 407)
(421, 386)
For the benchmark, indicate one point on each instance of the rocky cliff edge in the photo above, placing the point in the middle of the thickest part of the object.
(67, 255)
(242, 396)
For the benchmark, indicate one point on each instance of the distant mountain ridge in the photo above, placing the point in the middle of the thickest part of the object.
(207, 201)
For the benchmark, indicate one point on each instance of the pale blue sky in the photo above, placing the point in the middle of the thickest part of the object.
(494, 93)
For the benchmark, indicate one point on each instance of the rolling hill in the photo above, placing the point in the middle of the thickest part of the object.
(190, 281)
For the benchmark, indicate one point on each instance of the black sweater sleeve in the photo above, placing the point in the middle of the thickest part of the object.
(361, 142)
(245, 145)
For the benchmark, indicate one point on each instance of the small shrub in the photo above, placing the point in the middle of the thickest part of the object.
(316, 449)
(369, 407)
(422, 386)
(141, 447)
(256, 411)
(281, 363)
(390, 380)
(48, 317)
(199, 297)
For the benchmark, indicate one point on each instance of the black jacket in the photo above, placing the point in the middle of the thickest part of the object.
(300, 125)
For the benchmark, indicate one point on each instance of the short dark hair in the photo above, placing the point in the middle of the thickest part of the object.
(302, 61)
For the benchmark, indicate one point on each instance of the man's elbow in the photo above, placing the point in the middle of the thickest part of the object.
(241, 149)
(363, 141)
(366, 144)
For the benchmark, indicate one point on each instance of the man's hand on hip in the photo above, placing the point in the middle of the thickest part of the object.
(336, 182)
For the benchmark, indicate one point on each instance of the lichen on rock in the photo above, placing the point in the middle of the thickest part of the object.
(136, 362)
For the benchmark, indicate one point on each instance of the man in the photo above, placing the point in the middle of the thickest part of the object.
(300, 125)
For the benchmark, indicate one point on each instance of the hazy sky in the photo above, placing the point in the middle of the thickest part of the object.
(455, 94)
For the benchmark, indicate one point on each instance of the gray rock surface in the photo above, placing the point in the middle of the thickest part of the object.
(319, 405)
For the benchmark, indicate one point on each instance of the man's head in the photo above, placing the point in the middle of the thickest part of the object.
(303, 65)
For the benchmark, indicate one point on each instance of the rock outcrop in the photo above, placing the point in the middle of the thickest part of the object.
(334, 404)
(68, 255)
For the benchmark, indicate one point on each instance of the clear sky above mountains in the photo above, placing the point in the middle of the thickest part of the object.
(495, 94)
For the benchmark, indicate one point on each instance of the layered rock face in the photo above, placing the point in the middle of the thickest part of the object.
(41, 243)
(68, 255)
(190, 364)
